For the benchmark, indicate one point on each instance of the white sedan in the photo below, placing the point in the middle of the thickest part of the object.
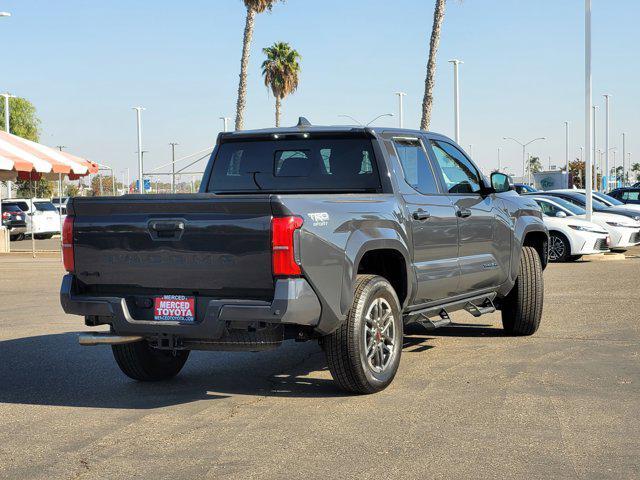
(623, 231)
(571, 237)
(608, 200)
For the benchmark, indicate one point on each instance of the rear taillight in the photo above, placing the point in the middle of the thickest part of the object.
(67, 244)
(6, 215)
(282, 246)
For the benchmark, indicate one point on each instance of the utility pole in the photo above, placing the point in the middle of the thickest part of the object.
(173, 165)
(140, 155)
(456, 98)
(400, 108)
(7, 115)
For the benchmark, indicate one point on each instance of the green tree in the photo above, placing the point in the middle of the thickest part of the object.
(72, 190)
(103, 185)
(281, 71)
(430, 80)
(576, 173)
(23, 120)
(254, 7)
(535, 166)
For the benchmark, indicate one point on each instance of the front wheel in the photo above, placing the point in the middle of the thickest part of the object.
(559, 248)
(364, 352)
(522, 307)
(147, 364)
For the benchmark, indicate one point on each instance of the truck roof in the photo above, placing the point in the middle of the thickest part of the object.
(304, 127)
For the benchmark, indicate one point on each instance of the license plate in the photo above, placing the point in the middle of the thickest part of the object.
(175, 308)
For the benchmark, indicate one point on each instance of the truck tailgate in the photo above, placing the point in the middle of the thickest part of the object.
(200, 244)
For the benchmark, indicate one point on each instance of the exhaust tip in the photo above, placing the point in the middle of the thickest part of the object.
(89, 339)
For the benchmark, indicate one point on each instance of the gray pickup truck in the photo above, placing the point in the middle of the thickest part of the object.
(340, 234)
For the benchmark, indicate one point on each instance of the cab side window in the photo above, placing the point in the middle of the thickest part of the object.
(415, 165)
(460, 175)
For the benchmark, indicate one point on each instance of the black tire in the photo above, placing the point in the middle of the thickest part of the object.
(347, 347)
(147, 364)
(559, 248)
(43, 236)
(17, 238)
(522, 307)
(574, 258)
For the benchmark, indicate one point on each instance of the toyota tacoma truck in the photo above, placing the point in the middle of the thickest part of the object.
(339, 234)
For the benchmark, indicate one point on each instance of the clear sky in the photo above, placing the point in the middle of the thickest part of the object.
(84, 64)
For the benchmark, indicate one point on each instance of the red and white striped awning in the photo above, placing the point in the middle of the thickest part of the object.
(21, 158)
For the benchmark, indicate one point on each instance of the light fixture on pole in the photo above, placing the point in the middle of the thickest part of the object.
(607, 97)
(456, 98)
(225, 124)
(5, 14)
(400, 95)
(588, 102)
(140, 162)
(524, 146)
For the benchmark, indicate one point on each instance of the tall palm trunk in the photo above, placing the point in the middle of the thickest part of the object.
(244, 64)
(278, 105)
(429, 83)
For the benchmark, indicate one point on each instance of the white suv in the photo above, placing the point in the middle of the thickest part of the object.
(43, 219)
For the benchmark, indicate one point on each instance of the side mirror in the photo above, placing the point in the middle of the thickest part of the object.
(561, 214)
(501, 182)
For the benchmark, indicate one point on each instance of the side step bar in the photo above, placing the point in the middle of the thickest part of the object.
(476, 306)
(106, 338)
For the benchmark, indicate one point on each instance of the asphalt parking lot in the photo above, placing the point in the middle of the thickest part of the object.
(468, 402)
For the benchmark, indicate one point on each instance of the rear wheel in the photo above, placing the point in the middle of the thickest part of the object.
(147, 364)
(364, 352)
(17, 238)
(522, 307)
(559, 248)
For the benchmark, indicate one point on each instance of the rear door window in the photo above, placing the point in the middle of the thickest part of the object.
(322, 165)
(415, 165)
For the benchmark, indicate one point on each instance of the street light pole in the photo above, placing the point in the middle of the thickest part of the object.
(456, 98)
(173, 165)
(140, 165)
(606, 141)
(400, 95)
(7, 115)
(624, 157)
(588, 102)
(524, 155)
(224, 123)
(594, 167)
(499, 160)
(566, 150)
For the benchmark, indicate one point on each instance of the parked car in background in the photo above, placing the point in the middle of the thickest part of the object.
(61, 204)
(15, 220)
(571, 237)
(614, 202)
(580, 199)
(43, 219)
(524, 188)
(628, 196)
(624, 232)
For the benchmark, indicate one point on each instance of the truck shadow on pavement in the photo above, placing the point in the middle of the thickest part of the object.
(55, 370)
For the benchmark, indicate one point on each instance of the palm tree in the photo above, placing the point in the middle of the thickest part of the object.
(253, 8)
(429, 83)
(281, 72)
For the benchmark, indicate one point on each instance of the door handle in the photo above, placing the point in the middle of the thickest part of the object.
(421, 215)
(463, 212)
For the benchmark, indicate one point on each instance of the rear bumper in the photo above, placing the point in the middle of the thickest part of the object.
(294, 303)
